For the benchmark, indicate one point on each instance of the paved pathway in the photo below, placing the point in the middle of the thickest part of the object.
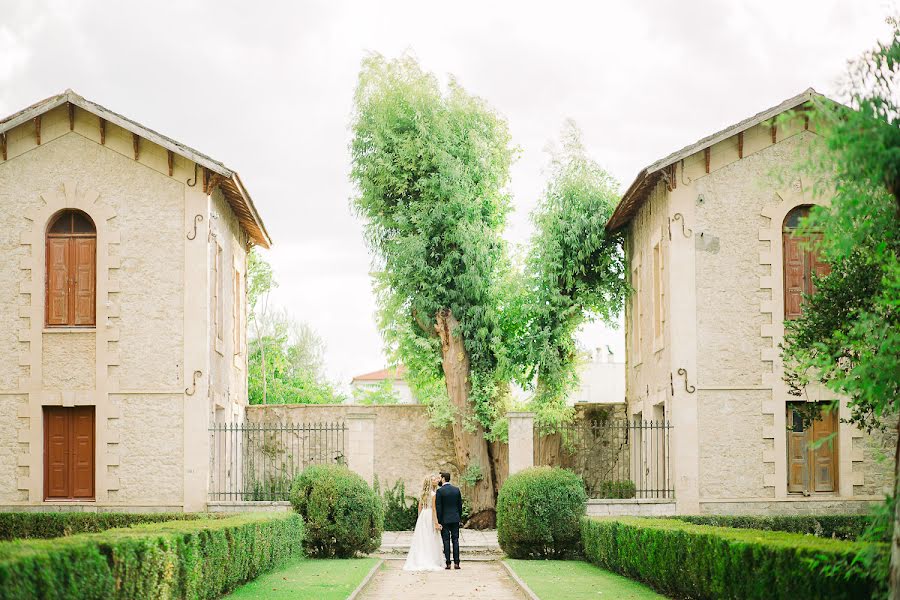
(482, 580)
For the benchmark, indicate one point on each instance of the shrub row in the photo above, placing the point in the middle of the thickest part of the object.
(842, 527)
(177, 559)
(28, 525)
(538, 513)
(700, 561)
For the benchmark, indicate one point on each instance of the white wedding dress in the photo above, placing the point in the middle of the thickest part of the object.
(426, 552)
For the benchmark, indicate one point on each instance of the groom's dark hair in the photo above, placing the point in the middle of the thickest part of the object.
(445, 476)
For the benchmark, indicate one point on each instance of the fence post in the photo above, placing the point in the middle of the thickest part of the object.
(361, 444)
(521, 441)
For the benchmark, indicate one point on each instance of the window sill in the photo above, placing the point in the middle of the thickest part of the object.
(85, 329)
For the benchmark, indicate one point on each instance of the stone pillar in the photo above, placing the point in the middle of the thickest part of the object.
(521, 441)
(361, 445)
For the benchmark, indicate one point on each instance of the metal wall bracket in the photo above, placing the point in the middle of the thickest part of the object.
(688, 388)
(193, 389)
(193, 235)
(685, 232)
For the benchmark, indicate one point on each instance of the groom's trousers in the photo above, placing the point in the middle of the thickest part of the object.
(450, 532)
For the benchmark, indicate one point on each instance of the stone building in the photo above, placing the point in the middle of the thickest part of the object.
(716, 271)
(123, 310)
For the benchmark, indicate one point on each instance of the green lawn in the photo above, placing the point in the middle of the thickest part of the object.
(552, 579)
(308, 579)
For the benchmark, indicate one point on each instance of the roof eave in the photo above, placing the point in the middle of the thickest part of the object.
(633, 196)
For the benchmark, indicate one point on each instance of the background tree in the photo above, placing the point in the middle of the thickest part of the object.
(848, 337)
(286, 358)
(574, 274)
(431, 169)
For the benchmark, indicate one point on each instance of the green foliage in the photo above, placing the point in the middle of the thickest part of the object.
(431, 169)
(383, 394)
(286, 363)
(538, 513)
(700, 561)
(615, 489)
(45, 525)
(472, 475)
(400, 511)
(260, 281)
(343, 515)
(574, 273)
(203, 558)
(842, 527)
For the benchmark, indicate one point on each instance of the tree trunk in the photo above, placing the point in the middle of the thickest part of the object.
(895, 537)
(470, 445)
(550, 450)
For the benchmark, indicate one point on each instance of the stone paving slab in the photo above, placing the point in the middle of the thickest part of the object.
(476, 580)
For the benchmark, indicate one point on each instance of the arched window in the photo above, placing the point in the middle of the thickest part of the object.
(71, 278)
(801, 262)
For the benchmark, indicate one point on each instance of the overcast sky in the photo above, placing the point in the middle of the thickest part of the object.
(266, 87)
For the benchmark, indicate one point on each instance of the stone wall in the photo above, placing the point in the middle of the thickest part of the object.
(406, 446)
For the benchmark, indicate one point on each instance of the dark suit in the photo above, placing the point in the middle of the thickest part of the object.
(448, 505)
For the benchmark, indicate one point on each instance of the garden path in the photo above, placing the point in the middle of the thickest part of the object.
(482, 580)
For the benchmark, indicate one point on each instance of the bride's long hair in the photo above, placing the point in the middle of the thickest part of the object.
(427, 488)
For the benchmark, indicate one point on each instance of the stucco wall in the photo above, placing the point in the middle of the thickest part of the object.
(10, 446)
(649, 363)
(151, 449)
(228, 364)
(731, 446)
(69, 361)
(406, 446)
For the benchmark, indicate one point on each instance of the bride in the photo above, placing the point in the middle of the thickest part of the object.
(426, 550)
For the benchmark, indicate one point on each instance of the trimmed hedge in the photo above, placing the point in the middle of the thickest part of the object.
(177, 559)
(700, 561)
(343, 514)
(842, 527)
(538, 513)
(30, 525)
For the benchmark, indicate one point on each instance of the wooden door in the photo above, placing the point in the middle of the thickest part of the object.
(822, 457)
(69, 453)
(812, 453)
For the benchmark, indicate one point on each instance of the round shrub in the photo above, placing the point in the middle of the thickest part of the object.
(343, 514)
(539, 513)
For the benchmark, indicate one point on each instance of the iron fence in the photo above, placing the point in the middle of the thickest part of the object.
(258, 461)
(616, 458)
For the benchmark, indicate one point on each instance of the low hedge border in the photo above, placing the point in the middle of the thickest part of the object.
(201, 558)
(842, 527)
(701, 561)
(44, 525)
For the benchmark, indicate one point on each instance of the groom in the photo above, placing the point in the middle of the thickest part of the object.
(448, 505)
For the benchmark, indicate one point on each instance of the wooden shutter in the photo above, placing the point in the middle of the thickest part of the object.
(84, 267)
(822, 457)
(797, 454)
(56, 448)
(794, 271)
(82, 452)
(817, 267)
(58, 260)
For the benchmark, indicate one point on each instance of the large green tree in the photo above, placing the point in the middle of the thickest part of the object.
(431, 166)
(574, 274)
(848, 337)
